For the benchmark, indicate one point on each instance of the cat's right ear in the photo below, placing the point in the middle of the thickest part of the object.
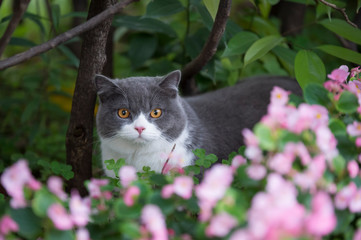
(103, 85)
(170, 82)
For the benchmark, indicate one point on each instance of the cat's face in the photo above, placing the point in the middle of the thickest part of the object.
(140, 110)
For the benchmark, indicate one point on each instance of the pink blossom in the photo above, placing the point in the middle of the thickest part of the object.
(237, 161)
(167, 191)
(82, 234)
(254, 153)
(298, 149)
(55, 185)
(58, 215)
(249, 138)
(355, 71)
(212, 189)
(333, 86)
(127, 175)
(355, 202)
(279, 96)
(241, 234)
(340, 75)
(354, 87)
(7, 225)
(94, 187)
(256, 171)
(322, 219)
(79, 209)
(130, 195)
(353, 168)
(344, 196)
(220, 225)
(354, 129)
(357, 235)
(14, 179)
(327, 142)
(183, 186)
(154, 222)
(281, 163)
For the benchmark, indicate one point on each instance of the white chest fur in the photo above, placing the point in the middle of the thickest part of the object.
(150, 150)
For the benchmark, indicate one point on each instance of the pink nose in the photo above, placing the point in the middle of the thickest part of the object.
(140, 129)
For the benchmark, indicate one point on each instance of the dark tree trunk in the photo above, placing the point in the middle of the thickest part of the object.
(108, 66)
(79, 139)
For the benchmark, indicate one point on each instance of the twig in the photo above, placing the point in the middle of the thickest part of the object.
(341, 10)
(209, 49)
(91, 23)
(166, 162)
(23, 5)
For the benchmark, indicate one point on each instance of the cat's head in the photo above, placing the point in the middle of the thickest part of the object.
(140, 110)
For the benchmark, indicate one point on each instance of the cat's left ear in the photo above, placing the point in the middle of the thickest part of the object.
(171, 81)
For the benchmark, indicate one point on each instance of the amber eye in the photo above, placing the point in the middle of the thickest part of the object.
(123, 113)
(156, 113)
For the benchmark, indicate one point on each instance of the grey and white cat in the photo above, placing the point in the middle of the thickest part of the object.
(141, 118)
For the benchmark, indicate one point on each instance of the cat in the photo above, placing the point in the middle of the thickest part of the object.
(140, 119)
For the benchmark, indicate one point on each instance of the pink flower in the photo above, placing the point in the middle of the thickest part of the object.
(183, 186)
(327, 142)
(249, 138)
(167, 191)
(333, 86)
(355, 71)
(130, 195)
(7, 225)
(357, 235)
(322, 219)
(355, 202)
(220, 225)
(281, 163)
(82, 234)
(238, 161)
(344, 196)
(79, 209)
(353, 168)
(298, 149)
(154, 222)
(254, 153)
(354, 87)
(256, 171)
(340, 75)
(212, 189)
(127, 175)
(241, 235)
(58, 215)
(14, 179)
(354, 129)
(55, 185)
(279, 96)
(94, 188)
(358, 142)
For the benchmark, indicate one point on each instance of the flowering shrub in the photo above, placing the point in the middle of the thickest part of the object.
(298, 178)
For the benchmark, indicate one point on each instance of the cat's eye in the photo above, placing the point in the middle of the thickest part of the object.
(123, 113)
(156, 113)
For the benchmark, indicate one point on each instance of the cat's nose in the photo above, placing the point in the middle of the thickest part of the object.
(140, 129)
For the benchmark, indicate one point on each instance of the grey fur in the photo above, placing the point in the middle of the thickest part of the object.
(214, 120)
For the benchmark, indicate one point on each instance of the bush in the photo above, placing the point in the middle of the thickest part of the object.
(301, 180)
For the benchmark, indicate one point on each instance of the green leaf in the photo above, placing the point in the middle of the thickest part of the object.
(286, 57)
(239, 44)
(192, 169)
(125, 212)
(159, 8)
(264, 134)
(212, 7)
(74, 60)
(339, 164)
(167, 205)
(42, 201)
(337, 126)
(347, 102)
(130, 230)
(55, 10)
(200, 153)
(342, 53)
(54, 234)
(316, 94)
(358, 6)
(142, 47)
(145, 24)
(261, 47)
(16, 41)
(29, 224)
(309, 68)
(343, 29)
(346, 147)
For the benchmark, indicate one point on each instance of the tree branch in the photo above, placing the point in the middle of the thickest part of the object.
(13, 24)
(91, 23)
(341, 10)
(187, 84)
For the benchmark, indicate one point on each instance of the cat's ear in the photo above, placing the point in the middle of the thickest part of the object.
(103, 85)
(170, 82)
